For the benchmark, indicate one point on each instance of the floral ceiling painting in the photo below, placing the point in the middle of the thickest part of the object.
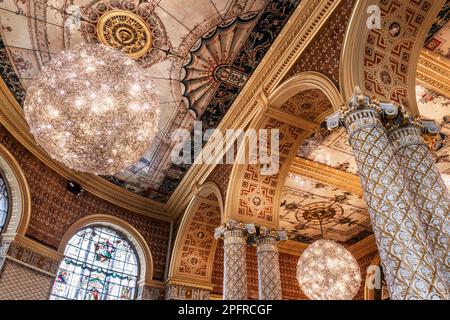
(200, 53)
(436, 107)
(329, 148)
(310, 209)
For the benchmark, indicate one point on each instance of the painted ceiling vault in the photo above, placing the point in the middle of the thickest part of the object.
(310, 210)
(200, 53)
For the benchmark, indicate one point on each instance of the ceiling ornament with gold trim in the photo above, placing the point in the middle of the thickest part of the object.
(125, 31)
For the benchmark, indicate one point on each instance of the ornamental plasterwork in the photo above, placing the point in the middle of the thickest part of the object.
(296, 33)
(388, 51)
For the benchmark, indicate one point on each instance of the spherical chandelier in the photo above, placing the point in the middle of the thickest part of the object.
(328, 271)
(93, 109)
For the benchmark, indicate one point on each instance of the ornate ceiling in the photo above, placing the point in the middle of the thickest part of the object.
(332, 148)
(438, 39)
(199, 55)
(306, 205)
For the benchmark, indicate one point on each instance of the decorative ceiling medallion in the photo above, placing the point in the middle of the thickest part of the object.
(124, 30)
(321, 212)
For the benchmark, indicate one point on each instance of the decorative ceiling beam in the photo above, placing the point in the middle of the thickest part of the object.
(328, 175)
(363, 247)
(291, 120)
(433, 72)
(292, 247)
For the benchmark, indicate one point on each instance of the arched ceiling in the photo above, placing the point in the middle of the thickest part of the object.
(201, 55)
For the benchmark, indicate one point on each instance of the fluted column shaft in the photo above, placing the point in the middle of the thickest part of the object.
(269, 279)
(428, 191)
(409, 270)
(235, 265)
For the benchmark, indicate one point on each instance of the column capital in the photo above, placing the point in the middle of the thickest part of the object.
(236, 226)
(267, 233)
(406, 129)
(360, 112)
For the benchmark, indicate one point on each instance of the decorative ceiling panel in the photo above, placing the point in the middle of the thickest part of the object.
(310, 104)
(323, 55)
(201, 55)
(437, 107)
(438, 39)
(308, 206)
(329, 148)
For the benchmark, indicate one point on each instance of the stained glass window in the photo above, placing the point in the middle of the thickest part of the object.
(3, 202)
(99, 264)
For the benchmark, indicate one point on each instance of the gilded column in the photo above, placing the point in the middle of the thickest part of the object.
(269, 279)
(428, 191)
(408, 267)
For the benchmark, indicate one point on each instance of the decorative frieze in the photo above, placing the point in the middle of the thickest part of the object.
(184, 292)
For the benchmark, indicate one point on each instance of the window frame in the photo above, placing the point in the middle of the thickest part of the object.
(119, 234)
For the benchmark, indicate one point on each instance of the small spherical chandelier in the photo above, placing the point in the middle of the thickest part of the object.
(93, 109)
(328, 271)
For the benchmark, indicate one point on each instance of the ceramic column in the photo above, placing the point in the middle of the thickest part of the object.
(407, 266)
(269, 279)
(428, 191)
(235, 264)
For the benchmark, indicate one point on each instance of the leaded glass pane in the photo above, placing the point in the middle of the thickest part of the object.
(99, 264)
(3, 202)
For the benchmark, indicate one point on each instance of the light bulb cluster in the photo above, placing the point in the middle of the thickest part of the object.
(93, 109)
(328, 271)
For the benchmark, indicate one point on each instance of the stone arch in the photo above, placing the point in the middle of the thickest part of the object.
(383, 62)
(304, 81)
(252, 197)
(132, 235)
(195, 245)
(19, 195)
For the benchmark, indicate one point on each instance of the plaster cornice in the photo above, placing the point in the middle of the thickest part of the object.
(433, 72)
(328, 175)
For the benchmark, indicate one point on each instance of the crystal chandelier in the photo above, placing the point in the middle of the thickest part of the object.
(93, 109)
(328, 271)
